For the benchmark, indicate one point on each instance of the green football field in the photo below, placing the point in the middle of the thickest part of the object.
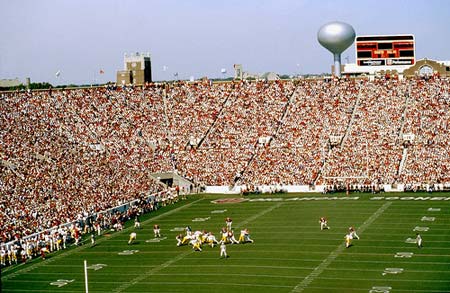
(289, 254)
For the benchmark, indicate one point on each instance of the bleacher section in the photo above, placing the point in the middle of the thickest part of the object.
(74, 151)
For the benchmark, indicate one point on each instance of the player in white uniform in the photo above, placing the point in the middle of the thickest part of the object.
(156, 231)
(3, 256)
(93, 238)
(352, 232)
(64, 239)
(9, 255)
(58, 241)
(323, 223)
(137, 223)
(196, 244)
(223, 250)
(132, 238)
(188, 230)
(245, 236)
(348, 240)
(419, 240)
(23, 255)
(204, 236)
(224, 235)
(30, 248)
(179, 239)
(231, 237)
(228, 222)
(184, 239)
(211, 239)
(197, 234)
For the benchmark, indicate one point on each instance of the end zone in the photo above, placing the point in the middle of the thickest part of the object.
(228, 200)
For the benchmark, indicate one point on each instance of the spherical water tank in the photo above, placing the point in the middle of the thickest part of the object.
(336, 36)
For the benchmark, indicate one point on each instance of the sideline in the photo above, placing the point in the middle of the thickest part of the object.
(27, 269)
(332, 256)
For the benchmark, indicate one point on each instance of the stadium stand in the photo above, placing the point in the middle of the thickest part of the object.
(65, 154)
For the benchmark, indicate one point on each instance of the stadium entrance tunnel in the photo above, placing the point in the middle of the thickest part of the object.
(172, 179)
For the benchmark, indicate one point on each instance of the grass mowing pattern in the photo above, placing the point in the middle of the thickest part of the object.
(290, 253)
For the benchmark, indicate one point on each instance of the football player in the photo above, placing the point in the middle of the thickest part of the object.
(231, 237)
(223, 250)
(196, 244)
(44, 250)
(184, 239)
(224, 234)
(179, 239)
(211, 239)
(348, 240)
(419, 240)
(93, 238)
(228, 222)
(323, 223)
(132, 238)
(352, 232)
(137, 223)
(3, 256)
(156, 231)
(14, 253)
(245, 236)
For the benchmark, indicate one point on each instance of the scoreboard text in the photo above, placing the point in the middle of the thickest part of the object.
(385, 50)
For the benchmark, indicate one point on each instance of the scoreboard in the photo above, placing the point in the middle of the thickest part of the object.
(388, 50)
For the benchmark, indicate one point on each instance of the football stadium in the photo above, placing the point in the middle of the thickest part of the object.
(338, 183)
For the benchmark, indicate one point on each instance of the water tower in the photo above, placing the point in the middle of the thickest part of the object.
(336, 36)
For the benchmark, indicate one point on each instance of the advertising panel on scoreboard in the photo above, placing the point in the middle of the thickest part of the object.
(385, 50)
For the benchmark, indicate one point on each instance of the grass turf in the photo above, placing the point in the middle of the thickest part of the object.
(290, 253)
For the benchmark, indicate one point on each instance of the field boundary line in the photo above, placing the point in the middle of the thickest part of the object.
(332, 256)
(27, 269)
(183, 255)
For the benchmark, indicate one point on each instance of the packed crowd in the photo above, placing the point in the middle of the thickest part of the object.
(367, 120)
(428, 118)
(69, 152)
(297, 152)
(233, 139)
(23, 249)
(372, 145)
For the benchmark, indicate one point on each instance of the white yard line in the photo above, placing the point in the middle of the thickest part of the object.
(51, 259)
(145, 275)
(334, 254)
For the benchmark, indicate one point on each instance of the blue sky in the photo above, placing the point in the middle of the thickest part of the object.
(199, 37)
